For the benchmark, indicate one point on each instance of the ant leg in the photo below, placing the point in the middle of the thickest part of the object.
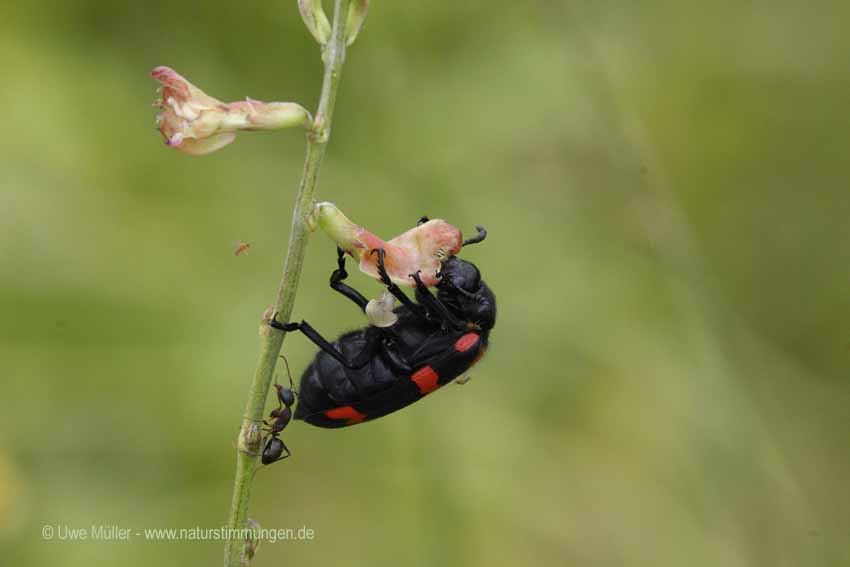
(285, 448)
(336, 282)
(434, 305)
(361, 360)
(394, 289)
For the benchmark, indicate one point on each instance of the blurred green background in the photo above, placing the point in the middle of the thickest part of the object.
(665, 186)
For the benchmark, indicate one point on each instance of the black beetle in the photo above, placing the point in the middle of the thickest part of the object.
(374, 371)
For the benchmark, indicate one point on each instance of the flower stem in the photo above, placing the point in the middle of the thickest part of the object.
(250, 435)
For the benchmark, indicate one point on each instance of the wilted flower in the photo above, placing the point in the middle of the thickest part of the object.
(196, 123)
(422, 248)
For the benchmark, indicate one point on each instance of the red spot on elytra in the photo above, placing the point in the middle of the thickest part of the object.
(466, 342)
(346, 412)
(426, 379)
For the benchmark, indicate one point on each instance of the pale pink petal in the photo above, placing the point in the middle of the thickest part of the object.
(206, 145)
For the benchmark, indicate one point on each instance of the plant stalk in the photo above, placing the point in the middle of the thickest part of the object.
(248, 445)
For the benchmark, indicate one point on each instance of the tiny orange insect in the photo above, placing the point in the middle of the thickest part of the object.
(242, 247)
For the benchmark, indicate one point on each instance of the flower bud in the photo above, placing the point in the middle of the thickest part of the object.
(196, 123)
(421, 249)
(315, 19)
(356, 16)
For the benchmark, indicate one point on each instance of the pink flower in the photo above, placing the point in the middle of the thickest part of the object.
(196, 123)
(422, 248)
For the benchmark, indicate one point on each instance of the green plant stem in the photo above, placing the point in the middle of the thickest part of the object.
(250, 435)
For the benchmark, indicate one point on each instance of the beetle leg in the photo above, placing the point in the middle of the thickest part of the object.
(434, 305)
(336, 282)
(394, 289)
(361, 360)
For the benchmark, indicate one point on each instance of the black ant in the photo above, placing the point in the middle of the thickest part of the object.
(280, 418)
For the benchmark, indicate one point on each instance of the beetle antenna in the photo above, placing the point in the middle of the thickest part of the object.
(482, 234)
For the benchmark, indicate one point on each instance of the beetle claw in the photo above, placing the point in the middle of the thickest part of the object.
(382, 270)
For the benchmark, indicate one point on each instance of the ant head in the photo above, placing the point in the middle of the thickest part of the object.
(284, 395)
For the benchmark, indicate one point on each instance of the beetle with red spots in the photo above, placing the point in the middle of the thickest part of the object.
(379, 369)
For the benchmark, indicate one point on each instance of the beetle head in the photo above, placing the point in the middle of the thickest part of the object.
(463, 291)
